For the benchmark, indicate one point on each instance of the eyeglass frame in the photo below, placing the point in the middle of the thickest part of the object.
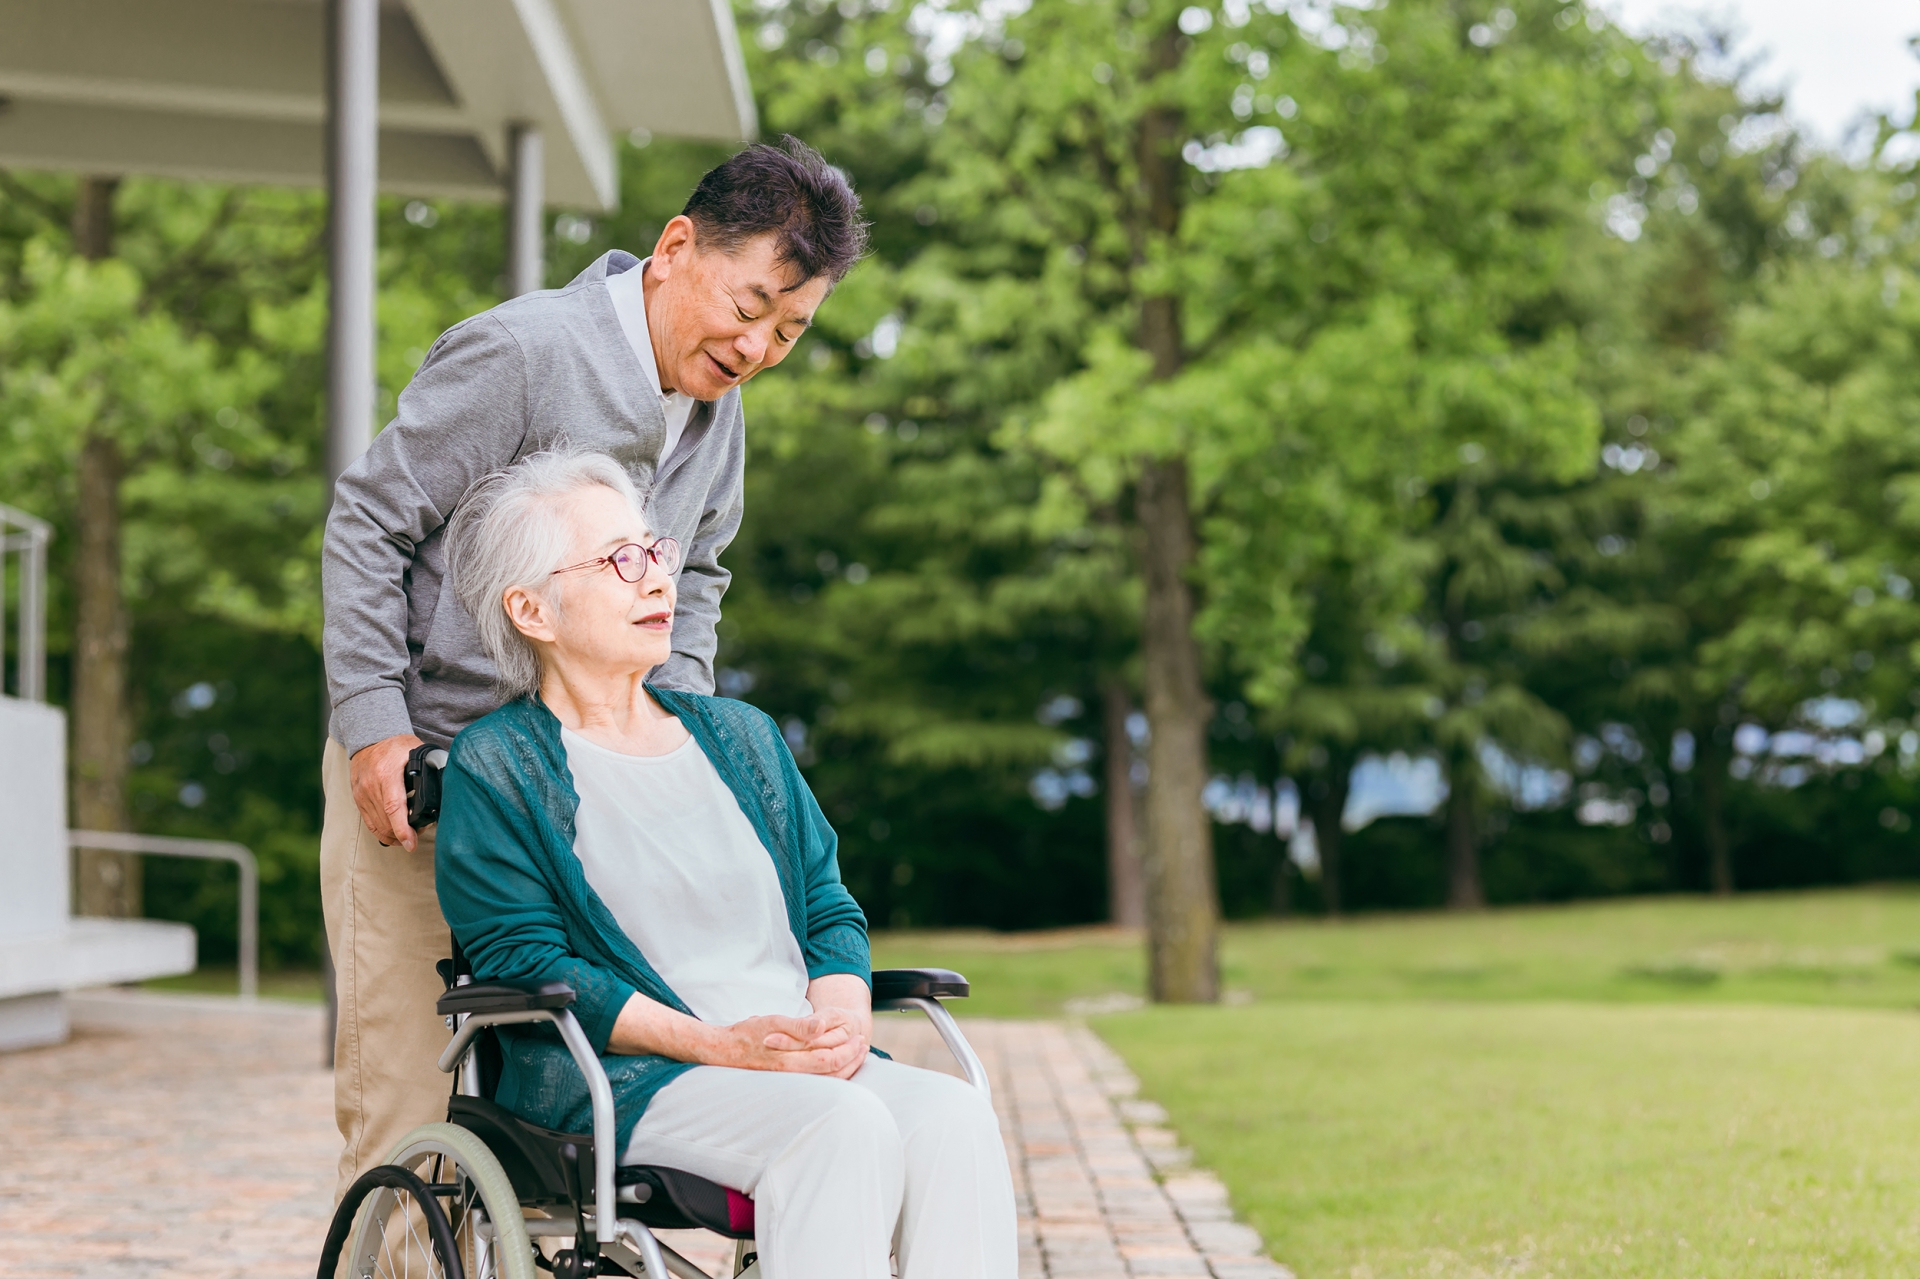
(649, 554)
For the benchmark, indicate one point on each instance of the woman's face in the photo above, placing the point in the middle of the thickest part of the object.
(606, 625)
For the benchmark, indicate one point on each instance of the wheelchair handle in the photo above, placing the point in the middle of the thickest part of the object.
(422, 774)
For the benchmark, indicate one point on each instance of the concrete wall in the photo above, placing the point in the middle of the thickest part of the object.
(33, 821)
(44, 952)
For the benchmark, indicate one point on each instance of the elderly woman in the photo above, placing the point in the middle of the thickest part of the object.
(659, 852)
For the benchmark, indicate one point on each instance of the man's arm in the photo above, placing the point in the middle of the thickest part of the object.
(463, 415)
(703, 582)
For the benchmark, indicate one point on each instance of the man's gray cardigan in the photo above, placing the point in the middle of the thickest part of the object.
(546, 368)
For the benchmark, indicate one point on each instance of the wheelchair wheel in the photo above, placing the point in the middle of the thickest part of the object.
(488, 1232)
(398, 1228)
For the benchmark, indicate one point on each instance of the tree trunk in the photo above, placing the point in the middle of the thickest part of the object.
(1182, 894)
(1710, 782)
(93, 218)
(1280, 905)
(1463, 838)
(1183, 908)
(1325, 801)
(1126, 880)
(107, 883)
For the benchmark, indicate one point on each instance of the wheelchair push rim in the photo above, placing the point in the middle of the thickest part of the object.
(486, 1232)
(398, 1228)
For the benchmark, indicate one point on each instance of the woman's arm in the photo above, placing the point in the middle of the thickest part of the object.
(839, 961)
(502, 909)
(833, 1042)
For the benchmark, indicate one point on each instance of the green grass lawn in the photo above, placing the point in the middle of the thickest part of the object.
(297, 984)
(1670, 1087)
(1461, 1139)
(1855, 947)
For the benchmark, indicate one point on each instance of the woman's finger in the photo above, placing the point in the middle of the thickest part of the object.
(797, 1027)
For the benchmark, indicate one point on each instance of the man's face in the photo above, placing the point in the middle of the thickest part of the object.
(717, 318)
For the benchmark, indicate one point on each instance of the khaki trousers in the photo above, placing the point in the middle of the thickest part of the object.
(386, 932)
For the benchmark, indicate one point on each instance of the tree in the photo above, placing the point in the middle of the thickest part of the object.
(191, 357)
(97, 381)
(1721, 197)
(1424, 365)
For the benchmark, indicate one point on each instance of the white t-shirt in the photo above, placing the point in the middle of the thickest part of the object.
(629, 294)
(664, 843)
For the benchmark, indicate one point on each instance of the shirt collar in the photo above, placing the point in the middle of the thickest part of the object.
(628, 291)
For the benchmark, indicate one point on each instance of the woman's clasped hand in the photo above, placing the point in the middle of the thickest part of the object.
(833, 1040)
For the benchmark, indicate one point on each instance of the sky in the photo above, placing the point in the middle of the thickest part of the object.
(1836, 58)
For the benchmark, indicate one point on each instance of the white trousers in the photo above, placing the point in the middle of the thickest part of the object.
(842, 1172)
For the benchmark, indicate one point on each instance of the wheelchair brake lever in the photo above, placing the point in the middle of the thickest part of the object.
(583, 1259)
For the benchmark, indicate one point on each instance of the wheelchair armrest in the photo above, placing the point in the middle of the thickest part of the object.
(920, 983)
(505, 997)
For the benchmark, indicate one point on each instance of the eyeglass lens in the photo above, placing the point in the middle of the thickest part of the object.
(630, 561)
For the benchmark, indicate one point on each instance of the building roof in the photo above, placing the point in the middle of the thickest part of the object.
(233, 90)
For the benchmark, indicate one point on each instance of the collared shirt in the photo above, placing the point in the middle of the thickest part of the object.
(628, 291)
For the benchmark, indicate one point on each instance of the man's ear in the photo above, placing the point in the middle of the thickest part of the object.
(531, 615)
(673, 248)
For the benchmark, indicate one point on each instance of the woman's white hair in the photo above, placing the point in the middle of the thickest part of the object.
(511, 530)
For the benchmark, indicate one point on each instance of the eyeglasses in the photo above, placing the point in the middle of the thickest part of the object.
(630, 561)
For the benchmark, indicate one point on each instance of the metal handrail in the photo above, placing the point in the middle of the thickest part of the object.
(29, 536)
(113, 841)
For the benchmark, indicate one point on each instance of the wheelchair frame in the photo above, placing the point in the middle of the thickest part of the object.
(474, 1007)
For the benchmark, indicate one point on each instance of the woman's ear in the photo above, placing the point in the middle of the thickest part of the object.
(531, 615)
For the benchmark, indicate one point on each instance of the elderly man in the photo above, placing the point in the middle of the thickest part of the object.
(640, 360)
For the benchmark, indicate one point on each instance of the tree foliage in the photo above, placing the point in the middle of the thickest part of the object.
(1544, 406)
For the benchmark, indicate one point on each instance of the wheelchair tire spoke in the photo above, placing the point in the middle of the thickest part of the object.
(444, 1209)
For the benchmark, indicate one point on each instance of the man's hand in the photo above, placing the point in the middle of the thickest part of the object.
(380, 788)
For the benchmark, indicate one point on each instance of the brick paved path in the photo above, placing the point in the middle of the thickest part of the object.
(175, 1138)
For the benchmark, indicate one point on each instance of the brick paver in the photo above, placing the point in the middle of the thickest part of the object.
(176, 1138)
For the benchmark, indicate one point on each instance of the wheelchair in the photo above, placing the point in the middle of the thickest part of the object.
(476, 1197)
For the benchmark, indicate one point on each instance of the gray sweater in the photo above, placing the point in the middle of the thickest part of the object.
(546, 368)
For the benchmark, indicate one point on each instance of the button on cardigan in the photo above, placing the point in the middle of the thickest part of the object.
(518, 901)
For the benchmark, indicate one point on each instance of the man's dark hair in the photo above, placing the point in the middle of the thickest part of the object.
(790, 190)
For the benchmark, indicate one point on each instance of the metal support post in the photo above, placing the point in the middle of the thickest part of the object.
(353, 159)
(526, 212)
(30, 652)
(353, 171)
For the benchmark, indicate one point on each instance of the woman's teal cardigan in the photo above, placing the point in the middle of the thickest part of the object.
(521, 908)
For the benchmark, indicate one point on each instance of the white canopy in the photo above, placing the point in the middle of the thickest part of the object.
(235, 90)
